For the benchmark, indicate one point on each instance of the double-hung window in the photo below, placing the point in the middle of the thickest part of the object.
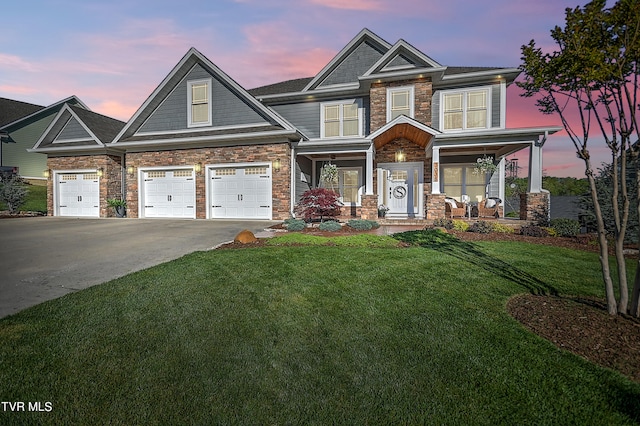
(341, 120)
(199, 103)
(349, 182)
(459, 180)
(399, 102)
(465, 110)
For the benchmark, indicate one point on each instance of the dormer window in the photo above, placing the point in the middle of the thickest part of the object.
(199, 103)
(465, 110)
(342, 119)
(399, 102)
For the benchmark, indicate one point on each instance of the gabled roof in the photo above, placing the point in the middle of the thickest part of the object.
(364, 37)
(77, 129)
(404, 127)
(400, 58)
(35, 111)
(188, 62)
(11, 110)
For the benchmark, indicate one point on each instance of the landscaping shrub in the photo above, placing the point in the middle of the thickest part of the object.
(460, 225)
(330, 226)
(481, 227)
(294, 224)
(319, 203)
(551, 231)
(443, 223)
(363, 224)
(502, 229)
(566, 227)
(12, 193)
(533, 231)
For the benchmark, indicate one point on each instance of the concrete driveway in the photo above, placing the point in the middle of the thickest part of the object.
(43, 258)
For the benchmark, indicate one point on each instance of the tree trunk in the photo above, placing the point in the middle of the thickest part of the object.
(604, 247)
(621, 218)
(635, 294)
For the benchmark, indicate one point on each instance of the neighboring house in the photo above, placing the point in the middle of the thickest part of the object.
(21, 125)
(402, 129)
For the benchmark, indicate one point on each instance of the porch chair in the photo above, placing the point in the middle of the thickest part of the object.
(489, 207)
(454, 208)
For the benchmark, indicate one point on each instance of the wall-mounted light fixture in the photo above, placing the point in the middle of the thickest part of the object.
(400, 156)
(197, 167)
(130, 170)
(100, 172)
(276, 164)
(46, 173)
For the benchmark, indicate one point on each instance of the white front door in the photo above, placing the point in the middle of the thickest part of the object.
(240, 192)
(169, 193)
(78, 194)
(400, 186)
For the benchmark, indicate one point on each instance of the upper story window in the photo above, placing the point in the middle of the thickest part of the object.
(199, 103)
(399, 102)
(465, 110)
(341, 119)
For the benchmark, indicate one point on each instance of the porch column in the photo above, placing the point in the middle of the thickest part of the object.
(369, 184)
(535, 167)
(435, 170)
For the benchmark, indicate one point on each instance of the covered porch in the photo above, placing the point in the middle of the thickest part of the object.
(407, 170)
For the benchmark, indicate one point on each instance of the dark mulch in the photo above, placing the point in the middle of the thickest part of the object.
(581, 326)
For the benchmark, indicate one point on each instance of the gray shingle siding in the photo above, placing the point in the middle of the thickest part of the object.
(435, 110)
(304, 116)
(73, 130)
(356, 64)
(228, 108)
(399, 61)
(496, 89)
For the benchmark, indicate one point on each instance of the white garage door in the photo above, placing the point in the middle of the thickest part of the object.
(169, 193)
(78, 194)
(240, 192)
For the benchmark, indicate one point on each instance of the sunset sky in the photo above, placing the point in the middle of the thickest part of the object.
(112, 54)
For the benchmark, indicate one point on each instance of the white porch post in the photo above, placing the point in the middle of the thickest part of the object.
(535, 167)
(292, 184)
(369, 183)
(435, 170)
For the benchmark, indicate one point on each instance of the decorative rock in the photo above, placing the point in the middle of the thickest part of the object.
(245, 237)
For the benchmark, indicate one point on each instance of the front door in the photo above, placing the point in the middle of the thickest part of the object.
(400, 186)
(398, 192)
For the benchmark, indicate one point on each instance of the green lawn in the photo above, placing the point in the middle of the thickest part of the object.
(314, 335)
(35, 201)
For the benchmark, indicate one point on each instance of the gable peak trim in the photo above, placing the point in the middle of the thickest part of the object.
(363, 36)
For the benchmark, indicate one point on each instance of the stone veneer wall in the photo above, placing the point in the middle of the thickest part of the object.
(422, 93)
(220, 155)
(434, 205)
(534, 206)
(369, 209)
(110, 182)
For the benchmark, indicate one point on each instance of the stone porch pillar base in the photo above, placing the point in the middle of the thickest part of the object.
(369, 209)
(534, 207)
(434, 206)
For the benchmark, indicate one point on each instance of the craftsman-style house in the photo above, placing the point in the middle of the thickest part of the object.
(402, 130)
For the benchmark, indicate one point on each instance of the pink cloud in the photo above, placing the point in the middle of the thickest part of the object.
(361, 5)
(16, 63)
(281, 52)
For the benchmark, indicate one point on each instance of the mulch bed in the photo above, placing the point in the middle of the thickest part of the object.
(583, 327)
(579, 325)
